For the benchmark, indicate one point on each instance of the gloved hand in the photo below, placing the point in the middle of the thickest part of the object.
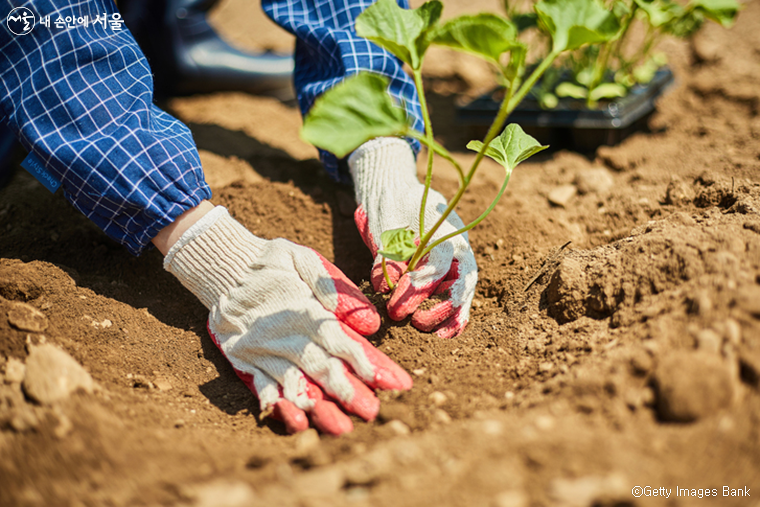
(389, 196)
(289, 322)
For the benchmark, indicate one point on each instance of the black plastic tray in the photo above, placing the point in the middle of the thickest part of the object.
(571, 124)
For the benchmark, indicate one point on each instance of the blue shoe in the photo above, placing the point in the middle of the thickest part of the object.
(187, 55)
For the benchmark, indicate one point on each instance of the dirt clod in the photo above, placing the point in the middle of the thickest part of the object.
(511, 498)
(220, 493)
(691, 386)
(25, 317)
(397, 427)
(437, 398)
(561, 195)
(307, 441)
(15, 371)
(590, 491)
(595, 180)
(52, 375)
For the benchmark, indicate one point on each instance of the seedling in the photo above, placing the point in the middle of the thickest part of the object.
(606, 70)
(360, 109)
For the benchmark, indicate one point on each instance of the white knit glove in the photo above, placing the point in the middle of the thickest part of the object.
(389, 196)
(286, 319)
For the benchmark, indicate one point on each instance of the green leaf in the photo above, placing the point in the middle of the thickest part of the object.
(607, 91)
(660, 12)
(585, 75)
(574, 23)
(510, 148)
(403, 32)
(485, 35)
(352, 113)
(625, 79)
(720, 11)
(684, 24)
(516, 65)
(398, 244)
(548, 101)
(645, 72)
(660, 59)
(572, 90)
(621, 9)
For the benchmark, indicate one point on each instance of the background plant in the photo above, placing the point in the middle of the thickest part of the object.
(610, 69)
(360, 109)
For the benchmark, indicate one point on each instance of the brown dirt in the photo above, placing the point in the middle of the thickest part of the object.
(629, 357)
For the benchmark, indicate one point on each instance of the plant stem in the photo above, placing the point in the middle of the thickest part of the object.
(599, 70)
(526, 87)
(431, 151)
(474, 222)
(619, 43)
(386, 275)
(507, 106)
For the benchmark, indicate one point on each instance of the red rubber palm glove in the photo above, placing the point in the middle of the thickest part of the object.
(389, 196)
(289, 322)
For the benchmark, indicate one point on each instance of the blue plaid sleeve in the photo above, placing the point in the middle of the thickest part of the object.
(328, 50)
(81, 100)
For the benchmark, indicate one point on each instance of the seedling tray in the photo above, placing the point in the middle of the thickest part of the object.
(571, 124)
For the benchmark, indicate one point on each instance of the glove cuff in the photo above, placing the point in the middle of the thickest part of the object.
(213, 256)
(382, 165)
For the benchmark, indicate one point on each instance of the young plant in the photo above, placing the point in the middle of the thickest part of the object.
(606, 71)
(360, 109)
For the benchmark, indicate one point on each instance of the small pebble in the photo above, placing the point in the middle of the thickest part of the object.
(437, 398)
(641, 362)
(594, 180)
(544, 422)
(141, 382)
(441, 417)
(14, 371)
(561, 195)
(307, 441)
(708, 341)
(613, 489)
(162, 384)
(321, 482)
(491, 427)
(64, 425)
(398, 427)
(370, 467)
(511, 498)
(220, 492)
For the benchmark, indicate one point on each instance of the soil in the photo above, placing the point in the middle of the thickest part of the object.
(629, 356)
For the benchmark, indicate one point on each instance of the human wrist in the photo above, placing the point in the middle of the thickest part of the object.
(213, 255)
(169, 235)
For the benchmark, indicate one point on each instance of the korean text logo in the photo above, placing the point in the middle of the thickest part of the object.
(21, 21)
